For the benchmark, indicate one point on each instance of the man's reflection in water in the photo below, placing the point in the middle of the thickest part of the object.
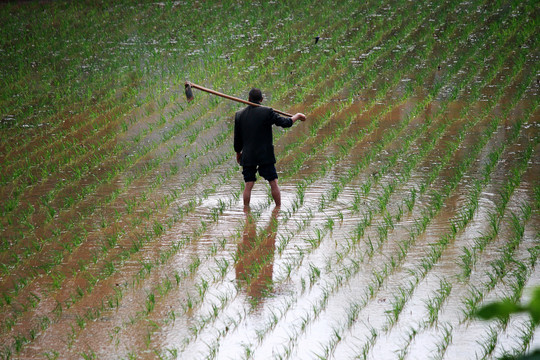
(255, 264)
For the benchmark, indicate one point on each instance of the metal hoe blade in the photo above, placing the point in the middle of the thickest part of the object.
(189, 92)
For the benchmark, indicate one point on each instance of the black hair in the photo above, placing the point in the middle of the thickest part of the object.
(255, 95)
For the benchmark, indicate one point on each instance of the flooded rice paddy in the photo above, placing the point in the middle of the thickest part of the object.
(410, 195)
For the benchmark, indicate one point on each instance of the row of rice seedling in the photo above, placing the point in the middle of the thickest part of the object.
(399, 302)
(153, 215)
(414, 160)
(378, 280)
(424, 324)
(471, 302)
(147, 169)
(114, 13)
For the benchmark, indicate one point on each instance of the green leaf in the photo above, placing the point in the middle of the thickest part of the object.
(534, 306)
(501, 310)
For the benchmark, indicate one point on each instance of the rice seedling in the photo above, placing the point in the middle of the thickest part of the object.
(466, 262)
(314, 274)
(445, 340)
(434, 304)
(488, 344)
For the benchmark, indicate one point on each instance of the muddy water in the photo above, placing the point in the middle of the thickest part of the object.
(254, 305)
(285, 283)
(250, 305)
(315, 332)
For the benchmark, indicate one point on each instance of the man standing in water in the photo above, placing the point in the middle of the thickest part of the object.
(253, 143)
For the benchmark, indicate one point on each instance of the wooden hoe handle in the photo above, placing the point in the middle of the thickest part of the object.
(190, 84)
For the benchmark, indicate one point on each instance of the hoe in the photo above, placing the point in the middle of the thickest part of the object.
(189, 96)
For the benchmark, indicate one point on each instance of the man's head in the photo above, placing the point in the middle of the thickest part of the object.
(255, 96)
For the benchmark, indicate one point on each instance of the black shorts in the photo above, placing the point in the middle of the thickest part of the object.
(267, 171)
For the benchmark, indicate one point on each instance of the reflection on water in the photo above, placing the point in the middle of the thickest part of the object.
(255, 265)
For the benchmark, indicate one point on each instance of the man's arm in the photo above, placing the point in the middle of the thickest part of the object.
(238, 141)
(285, 121)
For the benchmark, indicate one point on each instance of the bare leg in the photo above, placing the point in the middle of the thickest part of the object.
(247, 193)
(276, 194)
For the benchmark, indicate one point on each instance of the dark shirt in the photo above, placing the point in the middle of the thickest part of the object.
(253, 134)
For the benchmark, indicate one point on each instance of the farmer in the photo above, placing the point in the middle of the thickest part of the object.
(253, 144)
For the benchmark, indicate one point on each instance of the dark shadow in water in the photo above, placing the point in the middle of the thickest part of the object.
(255, 265)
